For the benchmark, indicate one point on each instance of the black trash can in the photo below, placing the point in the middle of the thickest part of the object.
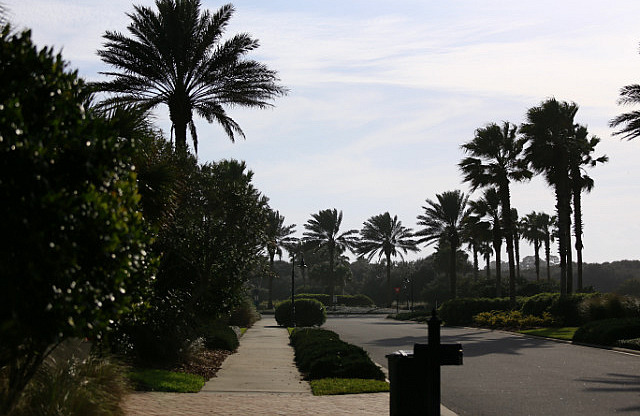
(408, 389)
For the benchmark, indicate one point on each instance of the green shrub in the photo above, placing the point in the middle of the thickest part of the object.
(421, 316)
(538, 304)
(244, 315)
(608, 331)
(511, 319)
(220, 336)
(567, 311)
(462, 310)
(309, 312)
(321, 354)
(608, 306)
(74, 387)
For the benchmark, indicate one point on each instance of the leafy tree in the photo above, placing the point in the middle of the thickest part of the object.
(323, 231)
(443, 219)
(278, 236)
(580, 156)
(549, 130)
(488, 207)
(495, 159)
(74, 244)
(176, 57)
(385, 236)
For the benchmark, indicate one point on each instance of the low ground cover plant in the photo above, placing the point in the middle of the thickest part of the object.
(309, 312)
(334, 386)
(322, 354)
(565, 333)
(164, 380)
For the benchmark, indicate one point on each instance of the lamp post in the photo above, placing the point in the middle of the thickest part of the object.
(293, 275)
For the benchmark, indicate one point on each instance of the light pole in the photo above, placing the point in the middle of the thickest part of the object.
(293, 275)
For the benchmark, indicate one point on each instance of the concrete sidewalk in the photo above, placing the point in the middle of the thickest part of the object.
(260, 379)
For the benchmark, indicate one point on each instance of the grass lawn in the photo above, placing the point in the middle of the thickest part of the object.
(162, 380)
(565, 333)
(330, 386)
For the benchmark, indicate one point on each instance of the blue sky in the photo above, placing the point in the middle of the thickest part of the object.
(382, 95)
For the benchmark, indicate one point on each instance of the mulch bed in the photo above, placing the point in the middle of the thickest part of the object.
(205, 363)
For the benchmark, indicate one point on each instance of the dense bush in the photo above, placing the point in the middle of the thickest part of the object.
(322, 354)
(217, 335)
(608, 331)
(309, 312)
(512, 319)
(538, 304)
(608, 306)
(244, 315)
(633, 344)
(73, 241)
(567, 310)
(461, 311)
(345, 300)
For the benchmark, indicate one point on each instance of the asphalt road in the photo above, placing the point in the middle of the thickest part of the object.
(508, 374)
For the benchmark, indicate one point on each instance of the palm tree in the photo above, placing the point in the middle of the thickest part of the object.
(476, 233)
(323, 231)
(443, 219)
(580, 156)
(278, 236)
(176, 57)
(516, 238)
(495, 159)
(386, 237)
(489, 207)
(548, 224)
(532, 231)
(630, 122)
(550, 130)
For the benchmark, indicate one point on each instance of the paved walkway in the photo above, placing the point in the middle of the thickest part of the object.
(260, 379)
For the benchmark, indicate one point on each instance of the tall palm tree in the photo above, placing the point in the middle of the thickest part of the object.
(443, 219)
(550, 129)
(629, 122)
(176, 56)
(385, 236)
(495, 159)
(580, 156)
(278, 236)
(517, 233)
(532, 231)
(323, 231)
(488, 207)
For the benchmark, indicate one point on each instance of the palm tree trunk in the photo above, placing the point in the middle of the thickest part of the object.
(452, 267)
(475, 263)
(332, 289)
(497, 247)
(536, 249)
(389, 298)
(577, 226)
(487, 258)
(547, 253)
(271, 273)
(508, 234)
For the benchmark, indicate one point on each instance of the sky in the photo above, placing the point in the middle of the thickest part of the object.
(384, 93)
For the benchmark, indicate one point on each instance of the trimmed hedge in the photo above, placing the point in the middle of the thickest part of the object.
(309, 312)
(345, 300)
(512, 319)
(320, 353)
(220, 336)
(461, 311)
(608, 331)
